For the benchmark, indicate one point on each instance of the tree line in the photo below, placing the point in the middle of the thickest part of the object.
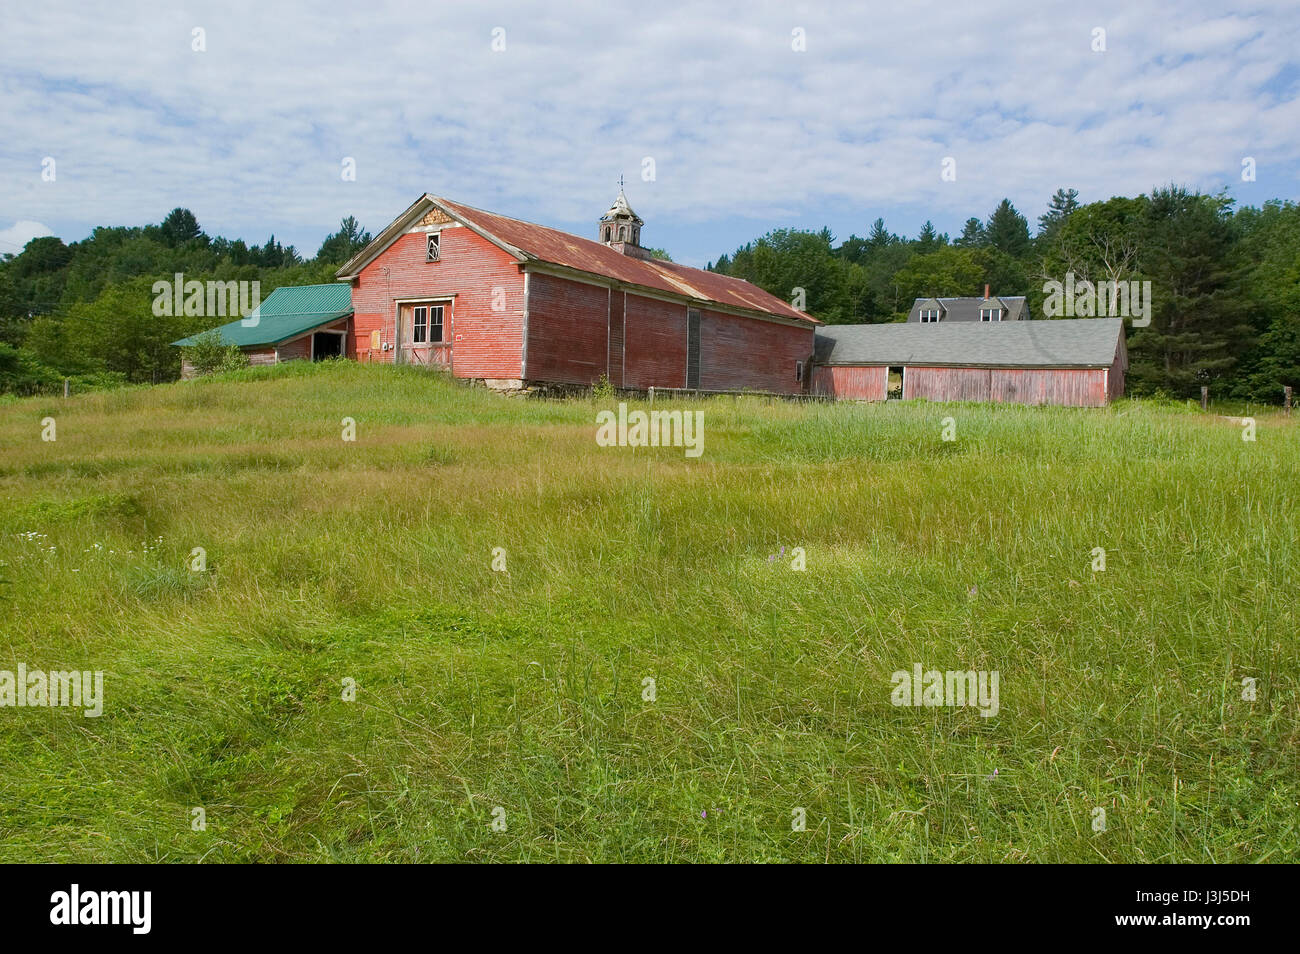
(1225, 285)
(84, 311)
(1225, 282)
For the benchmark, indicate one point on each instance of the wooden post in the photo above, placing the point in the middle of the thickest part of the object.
(1205, 398)
(1286, 400)
(66, 383)
(652, 394)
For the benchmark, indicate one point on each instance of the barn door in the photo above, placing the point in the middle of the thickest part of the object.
(692, 348)
(420, 328)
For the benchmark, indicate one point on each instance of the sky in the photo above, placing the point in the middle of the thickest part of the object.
(726, 120)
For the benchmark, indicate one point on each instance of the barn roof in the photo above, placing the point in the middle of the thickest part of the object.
(1064, 343)
(529, 242)
(287, 312)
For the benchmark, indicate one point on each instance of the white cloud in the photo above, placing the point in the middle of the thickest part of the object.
(250, 134)
(20, 233)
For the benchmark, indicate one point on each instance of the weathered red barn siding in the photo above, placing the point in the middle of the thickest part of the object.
(484, 343)
(1115, 379)
(852, 384)
(258, 357)
(738, 353)
(946, 384)
(299, 349)
(654, 343)
(1071, 387)
(568, 330)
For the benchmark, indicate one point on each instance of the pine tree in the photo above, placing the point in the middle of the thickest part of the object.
(1008, 230)
(972, 234)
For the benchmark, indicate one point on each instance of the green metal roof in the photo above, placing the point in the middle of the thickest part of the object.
(286, 313)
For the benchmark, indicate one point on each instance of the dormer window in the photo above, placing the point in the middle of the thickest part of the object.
(990, 314)
(929, 315)
(432, 249)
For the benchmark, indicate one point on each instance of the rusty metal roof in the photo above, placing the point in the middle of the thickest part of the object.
(585, 255)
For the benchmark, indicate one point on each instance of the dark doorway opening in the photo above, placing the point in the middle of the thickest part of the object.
(326, 344)
(894, 384)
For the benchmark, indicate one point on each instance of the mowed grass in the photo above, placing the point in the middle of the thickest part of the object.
(519, 695)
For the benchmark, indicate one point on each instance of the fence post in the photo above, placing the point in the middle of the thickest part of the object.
(1205, 398)
(1286, 400)
(66, 384)
(652, 394)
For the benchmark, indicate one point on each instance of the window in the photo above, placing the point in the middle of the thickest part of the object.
(622, 233)
(426, 324)
(608, 233)
(990, 314)
(433, 246)
(929, 316)
(798, 371)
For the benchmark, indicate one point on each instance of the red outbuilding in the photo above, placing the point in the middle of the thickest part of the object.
(516, 304)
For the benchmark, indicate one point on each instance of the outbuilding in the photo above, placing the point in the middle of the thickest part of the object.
(293, 323)
(1077, 362)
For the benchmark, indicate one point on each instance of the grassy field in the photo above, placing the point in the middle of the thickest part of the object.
(518, 696)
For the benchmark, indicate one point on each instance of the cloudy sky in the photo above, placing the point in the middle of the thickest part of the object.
(727, 120)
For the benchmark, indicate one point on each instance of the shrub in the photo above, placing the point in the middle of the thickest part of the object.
(209, 354)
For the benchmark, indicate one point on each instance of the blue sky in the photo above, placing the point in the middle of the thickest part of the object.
(746, 132)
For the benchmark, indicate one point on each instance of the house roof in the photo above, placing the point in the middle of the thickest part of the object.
(968, 309)
(531, 243)
(1057, 343)
(288, 312)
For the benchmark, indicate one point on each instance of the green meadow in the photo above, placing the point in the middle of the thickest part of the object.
(649, 678)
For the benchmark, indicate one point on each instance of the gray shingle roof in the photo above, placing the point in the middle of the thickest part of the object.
(968, 309)
(1063, 342)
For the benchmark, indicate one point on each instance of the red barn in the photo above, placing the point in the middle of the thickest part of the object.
(516, 304)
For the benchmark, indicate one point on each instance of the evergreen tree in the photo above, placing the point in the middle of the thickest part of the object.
(343, 244)
(179, 227)
(1059, 208)
(972, 234)
(1008, 230)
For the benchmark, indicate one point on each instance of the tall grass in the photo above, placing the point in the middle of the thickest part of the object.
(476, 690)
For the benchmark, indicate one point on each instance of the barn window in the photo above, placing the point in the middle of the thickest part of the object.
(433, 250)
(798, 371)
(990, 314)
(426, 324)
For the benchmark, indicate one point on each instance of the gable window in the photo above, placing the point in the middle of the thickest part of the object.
(929, 315)
(433, 248)
(426, 324)
(990, 314)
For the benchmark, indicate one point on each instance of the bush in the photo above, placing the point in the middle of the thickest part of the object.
(210, 354)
